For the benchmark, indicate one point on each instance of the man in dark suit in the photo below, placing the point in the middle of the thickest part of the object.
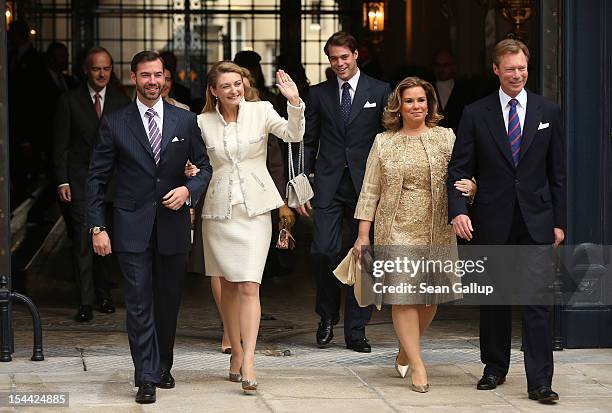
(343, 115)
(512, 143)
(76, 123)
(148, 143)
(453, 94)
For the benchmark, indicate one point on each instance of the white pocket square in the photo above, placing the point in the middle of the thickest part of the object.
(369, 105)
(543, 125)
(176, 139)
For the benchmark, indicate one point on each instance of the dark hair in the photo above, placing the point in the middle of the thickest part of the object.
(169, 68)
(145, 56)
(341, 39)
(250, 60)
(95, 50)
(170, 60)
(392, 119)
(54, 47)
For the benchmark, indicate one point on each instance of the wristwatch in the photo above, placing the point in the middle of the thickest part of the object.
(96, 230)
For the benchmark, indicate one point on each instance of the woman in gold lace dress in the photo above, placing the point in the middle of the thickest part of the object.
(404, 194)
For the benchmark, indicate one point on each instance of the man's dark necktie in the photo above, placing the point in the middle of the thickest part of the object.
(514, 131)
(345, 104)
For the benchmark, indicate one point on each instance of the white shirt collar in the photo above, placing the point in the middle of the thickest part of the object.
(352, 81)
(158, 108)
(92, 92)
(504, 99)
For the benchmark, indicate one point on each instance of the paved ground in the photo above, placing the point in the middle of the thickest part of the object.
(91, 362)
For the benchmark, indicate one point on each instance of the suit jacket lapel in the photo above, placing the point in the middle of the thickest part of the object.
(137, 128)
(361, 96)
(111, 102)
(333, 101)
(495, 122)
(533, 115)
(170, 119)
(90, 116)
(88, 104)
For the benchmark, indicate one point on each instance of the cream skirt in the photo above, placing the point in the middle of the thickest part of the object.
(236, 248)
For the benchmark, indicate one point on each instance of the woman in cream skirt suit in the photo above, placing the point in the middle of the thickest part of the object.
(236, 226)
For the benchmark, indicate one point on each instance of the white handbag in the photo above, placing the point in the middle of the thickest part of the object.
(299, 190)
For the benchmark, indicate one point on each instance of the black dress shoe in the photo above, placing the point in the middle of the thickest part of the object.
(490, 381)
(84, 314)
(146, 393)
(543, 394)
(325, 332)
(359, 345)
(106, 306)
(166, 381)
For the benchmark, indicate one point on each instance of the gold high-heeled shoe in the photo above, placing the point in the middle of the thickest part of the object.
(401, 370)
(249, 386)
(235, 377)
(419, 388)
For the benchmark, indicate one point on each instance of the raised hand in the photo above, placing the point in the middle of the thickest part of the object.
(287, 87)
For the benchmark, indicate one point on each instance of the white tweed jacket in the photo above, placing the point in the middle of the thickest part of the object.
(255, 121)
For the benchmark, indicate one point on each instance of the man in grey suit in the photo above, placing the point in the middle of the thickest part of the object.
(148, 143)
(76, 123)
(343, 115)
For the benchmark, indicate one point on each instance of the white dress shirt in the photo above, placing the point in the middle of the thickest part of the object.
(159, 117)
(521, 108)
(352, 82)
(445, 88)
(92, 95)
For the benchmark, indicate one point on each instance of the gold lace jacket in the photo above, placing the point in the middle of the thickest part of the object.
(383, 183)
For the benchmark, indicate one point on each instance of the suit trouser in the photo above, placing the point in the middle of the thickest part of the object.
(327, 252)
(93, 272)
(153, 289)
(496, 329)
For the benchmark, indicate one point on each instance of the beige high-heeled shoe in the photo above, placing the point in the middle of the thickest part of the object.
(235, 377)
(419, 388)
(249, 386)
(401, 370)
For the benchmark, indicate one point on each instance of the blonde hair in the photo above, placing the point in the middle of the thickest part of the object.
(509, 46)
(215, 71)
(392, 119)
(250, 93)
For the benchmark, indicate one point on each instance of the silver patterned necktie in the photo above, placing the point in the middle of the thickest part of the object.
(154, 134)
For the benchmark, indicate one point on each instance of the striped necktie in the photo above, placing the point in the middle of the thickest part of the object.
(514, 131)
(154, 134)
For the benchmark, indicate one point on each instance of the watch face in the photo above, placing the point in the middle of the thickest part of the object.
(96, 230)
